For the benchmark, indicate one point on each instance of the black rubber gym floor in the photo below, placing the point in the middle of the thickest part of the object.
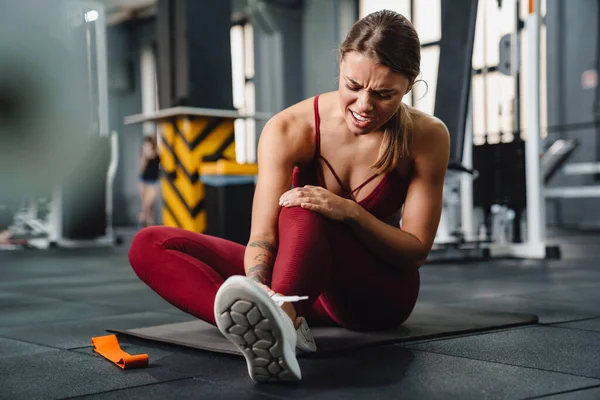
(52, 302)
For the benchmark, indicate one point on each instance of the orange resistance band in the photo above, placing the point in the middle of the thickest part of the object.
(108, 347)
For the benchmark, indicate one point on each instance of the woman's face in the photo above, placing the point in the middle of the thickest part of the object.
(370, 93)
(148, 148)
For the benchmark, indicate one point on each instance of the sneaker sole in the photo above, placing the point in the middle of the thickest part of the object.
(248, 318)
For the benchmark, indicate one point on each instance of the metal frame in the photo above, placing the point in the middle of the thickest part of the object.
(583, 168)
(573, 192)
(535, 246)
(102, 67)
(466, 181)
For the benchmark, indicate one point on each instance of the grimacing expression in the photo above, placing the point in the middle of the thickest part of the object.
(370, 93)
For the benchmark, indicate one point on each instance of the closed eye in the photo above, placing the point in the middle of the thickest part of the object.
(386, 95)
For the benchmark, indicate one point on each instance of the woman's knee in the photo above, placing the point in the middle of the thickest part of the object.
(300, 219)
(144, 246)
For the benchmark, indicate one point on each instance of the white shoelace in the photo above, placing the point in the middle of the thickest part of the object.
(279, 300)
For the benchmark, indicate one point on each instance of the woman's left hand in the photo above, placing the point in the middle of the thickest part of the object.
(318, 199)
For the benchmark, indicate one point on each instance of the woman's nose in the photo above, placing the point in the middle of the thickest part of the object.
(364, 103)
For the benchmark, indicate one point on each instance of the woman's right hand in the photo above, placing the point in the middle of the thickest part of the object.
(267, 289)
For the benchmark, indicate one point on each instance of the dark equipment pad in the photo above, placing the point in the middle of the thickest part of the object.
(427, 321)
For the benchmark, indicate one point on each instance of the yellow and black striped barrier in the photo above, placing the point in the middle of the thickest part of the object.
(198, 160)
(186, 144)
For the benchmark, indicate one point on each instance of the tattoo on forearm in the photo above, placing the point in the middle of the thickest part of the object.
(263, 245)
(260, 273)
(264, 258)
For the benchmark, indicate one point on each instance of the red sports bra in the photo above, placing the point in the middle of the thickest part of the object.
(385, 199)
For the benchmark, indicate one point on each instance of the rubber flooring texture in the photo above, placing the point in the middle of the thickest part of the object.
(52, 302)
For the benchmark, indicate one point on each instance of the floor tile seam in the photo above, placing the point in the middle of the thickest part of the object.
(574, 329)
(251, 389)
(543, 396)
(101, 303)
(171, 381)
(571, 321)
(26, 280)
(59, 298)
(125, 388)
(133, 308)
(33, 343)
(470, 334)
(509, 364)
(69, 320)
(577, 286)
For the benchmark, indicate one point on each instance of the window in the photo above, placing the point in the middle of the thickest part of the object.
(494, 94)
(426, 17)
(366, 7)
(424, 92)
(494, 111)
(242, 69)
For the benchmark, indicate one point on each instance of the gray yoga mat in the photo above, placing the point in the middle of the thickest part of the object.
(427, 321)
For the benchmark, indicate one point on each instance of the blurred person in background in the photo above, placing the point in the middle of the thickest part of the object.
(148, 185)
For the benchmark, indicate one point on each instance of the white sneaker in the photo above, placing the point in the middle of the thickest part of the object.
(305, 342)
(259, 328)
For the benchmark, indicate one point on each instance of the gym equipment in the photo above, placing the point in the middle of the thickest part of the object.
(531, 196)
(454, 238)
(573, 96)
(455, 69)
(109, 348)
(44, 113)
(427, 321)
(554, 159)
(78, 212)
(57, 156)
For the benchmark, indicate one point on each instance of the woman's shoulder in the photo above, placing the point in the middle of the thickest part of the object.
(427, 128)
(294, 127)
(430, 135)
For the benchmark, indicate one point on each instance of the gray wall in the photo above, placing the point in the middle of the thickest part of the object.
(325, 26)
(278, 55)
(572, 49)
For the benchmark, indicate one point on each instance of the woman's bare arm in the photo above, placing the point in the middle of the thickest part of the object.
(282, 145)
(409, 246)
(143, 162)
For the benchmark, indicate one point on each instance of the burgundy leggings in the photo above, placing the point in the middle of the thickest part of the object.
(347, 285)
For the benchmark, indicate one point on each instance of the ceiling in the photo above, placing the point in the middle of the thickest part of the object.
(118, 11)
(113, 5)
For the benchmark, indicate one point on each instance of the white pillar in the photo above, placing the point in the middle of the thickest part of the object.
(536, 212)
(466, 180)
(148, 86)
(102, 70)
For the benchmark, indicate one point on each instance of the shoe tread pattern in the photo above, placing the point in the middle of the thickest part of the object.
(247, 327)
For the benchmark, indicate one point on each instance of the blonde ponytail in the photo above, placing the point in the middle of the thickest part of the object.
(396, 141)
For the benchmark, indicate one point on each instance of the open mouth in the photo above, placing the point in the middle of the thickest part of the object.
(359, 120)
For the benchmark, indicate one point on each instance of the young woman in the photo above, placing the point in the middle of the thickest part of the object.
(359, 161)
(148, 184)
